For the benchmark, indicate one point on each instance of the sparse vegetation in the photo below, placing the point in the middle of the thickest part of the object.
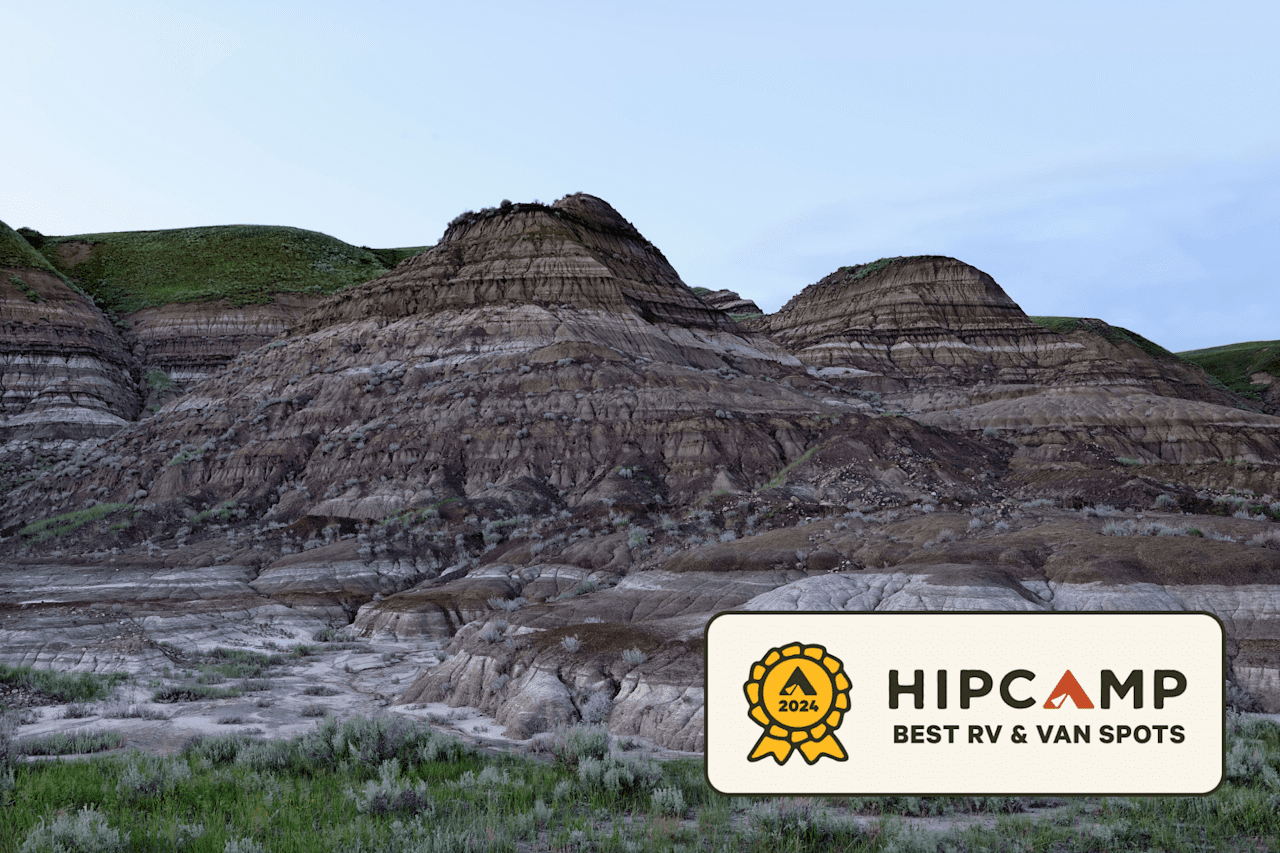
(57, 526)
(70, 743)
(61, 686)
(158, 380)
(386, 784)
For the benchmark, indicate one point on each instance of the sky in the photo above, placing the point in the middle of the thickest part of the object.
(1114, 159)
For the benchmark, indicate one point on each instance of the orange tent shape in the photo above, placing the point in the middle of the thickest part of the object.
(1068, 687)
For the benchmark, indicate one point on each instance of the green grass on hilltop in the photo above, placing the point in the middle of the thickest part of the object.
(130, 270)
(1104, 330)
(1235, 363)
(16, 252)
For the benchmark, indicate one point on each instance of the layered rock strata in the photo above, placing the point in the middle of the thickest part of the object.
(538, 661)
(65, 374)
(731, 303)
(192, 340)
(912, 323)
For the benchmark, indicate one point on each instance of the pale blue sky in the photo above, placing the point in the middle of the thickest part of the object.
(1114, 160)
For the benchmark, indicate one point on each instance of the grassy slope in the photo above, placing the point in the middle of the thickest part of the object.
(15, 252)
(130, 270)
(1235, 363)
(1114, 334)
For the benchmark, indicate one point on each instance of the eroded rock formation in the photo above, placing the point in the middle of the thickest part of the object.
(534, 449)
(65, 373)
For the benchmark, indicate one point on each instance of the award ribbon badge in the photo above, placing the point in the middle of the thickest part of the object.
(798, 694)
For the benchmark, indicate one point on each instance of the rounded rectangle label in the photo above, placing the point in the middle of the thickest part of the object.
(958, 703)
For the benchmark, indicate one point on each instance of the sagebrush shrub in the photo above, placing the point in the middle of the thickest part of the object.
(668, 801)
(148, 776)
(389, 793)
(597, 708)
(85, 831)
(1267, 539)
(242, 845)
(572, 744)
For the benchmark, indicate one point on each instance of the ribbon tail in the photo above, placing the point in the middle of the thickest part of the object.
(814, 749)
(778, 748)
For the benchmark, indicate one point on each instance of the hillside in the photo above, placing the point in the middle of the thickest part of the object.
(1249, 369)
(127, 271)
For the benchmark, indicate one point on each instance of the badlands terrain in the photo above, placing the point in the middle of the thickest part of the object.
(503, 482)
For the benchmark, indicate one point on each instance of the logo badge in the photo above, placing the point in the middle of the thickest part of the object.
(798, 695)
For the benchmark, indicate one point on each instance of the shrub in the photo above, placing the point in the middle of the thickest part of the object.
(71, 743)
(319, 690)
(216, 749)
(1165, 501)
(573, 744)
(85, 831)
(1267, 539)
(633, 657)
(77, 711)
(193, 693)
(313, 710)
(1112, 528)
(584, 587)
(991, 432)
(390, 794)
(148, 776)
(805, 824)
(242, 845)
(669, 801)
(61, 686)
(597, 708)
(616, 774)
(571, 644)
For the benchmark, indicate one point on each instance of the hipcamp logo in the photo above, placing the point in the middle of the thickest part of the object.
(799, 695)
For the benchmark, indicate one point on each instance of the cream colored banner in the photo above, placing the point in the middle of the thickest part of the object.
(1010, 703)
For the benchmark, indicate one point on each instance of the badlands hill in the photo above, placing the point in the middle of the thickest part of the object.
(1251, 370)
(537, 459)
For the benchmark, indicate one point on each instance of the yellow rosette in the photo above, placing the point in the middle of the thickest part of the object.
(799, 695)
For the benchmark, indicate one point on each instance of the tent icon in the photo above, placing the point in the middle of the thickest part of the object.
(1068, 687)
(797, 681)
